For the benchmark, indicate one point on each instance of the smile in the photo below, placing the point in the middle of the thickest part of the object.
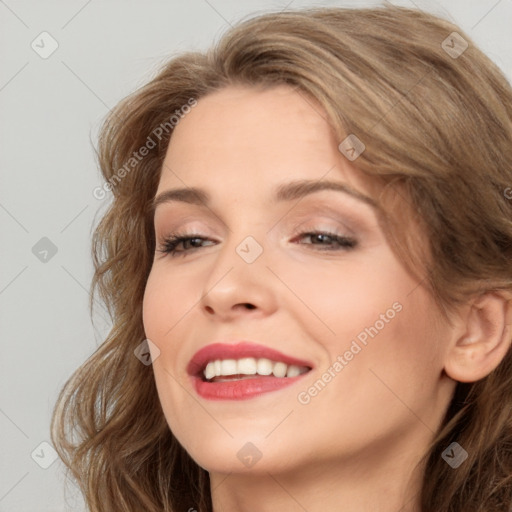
(246, 368)
(243, 370)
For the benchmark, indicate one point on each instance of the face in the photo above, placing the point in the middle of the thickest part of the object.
(303, 274)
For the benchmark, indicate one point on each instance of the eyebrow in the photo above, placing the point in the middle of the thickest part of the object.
(285, 192)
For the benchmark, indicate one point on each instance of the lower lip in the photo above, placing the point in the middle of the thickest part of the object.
(242, 389)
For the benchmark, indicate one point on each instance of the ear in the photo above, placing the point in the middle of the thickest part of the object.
(486, 338)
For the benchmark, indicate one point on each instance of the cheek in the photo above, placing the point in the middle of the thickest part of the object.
(161, 311)
(344, 300)
(380, 386)
(153, 306)
(371, 317)
(165, 302)
(399, 363)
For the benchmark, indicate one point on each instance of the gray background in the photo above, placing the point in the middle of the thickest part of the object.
(50, 111)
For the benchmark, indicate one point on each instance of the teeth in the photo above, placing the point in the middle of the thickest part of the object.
(247, 366)
(251, 366)
(293, 371)
(280, 369)
(264, 366)
(209, 371)
(228, 367)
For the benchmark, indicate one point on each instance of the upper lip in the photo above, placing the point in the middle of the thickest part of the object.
(238, 350)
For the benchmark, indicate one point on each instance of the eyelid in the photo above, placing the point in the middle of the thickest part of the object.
(338, 223)
(323, 215)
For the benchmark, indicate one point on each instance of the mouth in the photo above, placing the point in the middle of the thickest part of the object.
(243, 370)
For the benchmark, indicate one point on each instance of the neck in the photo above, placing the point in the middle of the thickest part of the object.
(378, 482)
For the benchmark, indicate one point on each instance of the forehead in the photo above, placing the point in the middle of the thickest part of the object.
(245, 137)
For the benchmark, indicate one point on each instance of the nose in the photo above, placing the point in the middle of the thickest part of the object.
(237, 286)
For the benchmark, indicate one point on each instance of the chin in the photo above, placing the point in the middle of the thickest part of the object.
(239, 454)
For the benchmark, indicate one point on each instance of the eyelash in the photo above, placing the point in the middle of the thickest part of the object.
(169, 243)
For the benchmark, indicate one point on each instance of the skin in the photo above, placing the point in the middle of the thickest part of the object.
(358, 441)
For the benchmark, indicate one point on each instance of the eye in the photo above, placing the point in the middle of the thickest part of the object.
(171, 243)
(324, 240)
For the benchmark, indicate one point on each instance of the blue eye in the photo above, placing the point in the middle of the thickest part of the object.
(323, 240)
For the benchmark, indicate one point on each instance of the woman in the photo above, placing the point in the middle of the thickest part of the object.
(310, 239)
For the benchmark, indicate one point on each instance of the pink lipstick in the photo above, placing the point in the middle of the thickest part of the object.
(242, 370)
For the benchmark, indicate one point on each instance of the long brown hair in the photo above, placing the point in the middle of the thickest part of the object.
(435, 116)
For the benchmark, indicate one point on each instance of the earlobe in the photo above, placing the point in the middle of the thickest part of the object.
(486, 338)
